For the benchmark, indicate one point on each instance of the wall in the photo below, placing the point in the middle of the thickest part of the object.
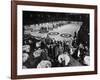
(5, 37)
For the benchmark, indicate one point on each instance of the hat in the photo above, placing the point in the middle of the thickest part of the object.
(37, 53)
(44, 64)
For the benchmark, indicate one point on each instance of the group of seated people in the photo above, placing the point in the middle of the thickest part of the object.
(47, 52)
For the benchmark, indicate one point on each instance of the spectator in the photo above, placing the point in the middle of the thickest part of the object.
(64, 59)
(25, 56)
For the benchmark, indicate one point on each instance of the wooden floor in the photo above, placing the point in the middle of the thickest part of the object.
(74, 62)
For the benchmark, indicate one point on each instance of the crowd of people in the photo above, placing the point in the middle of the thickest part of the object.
(47, 52)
